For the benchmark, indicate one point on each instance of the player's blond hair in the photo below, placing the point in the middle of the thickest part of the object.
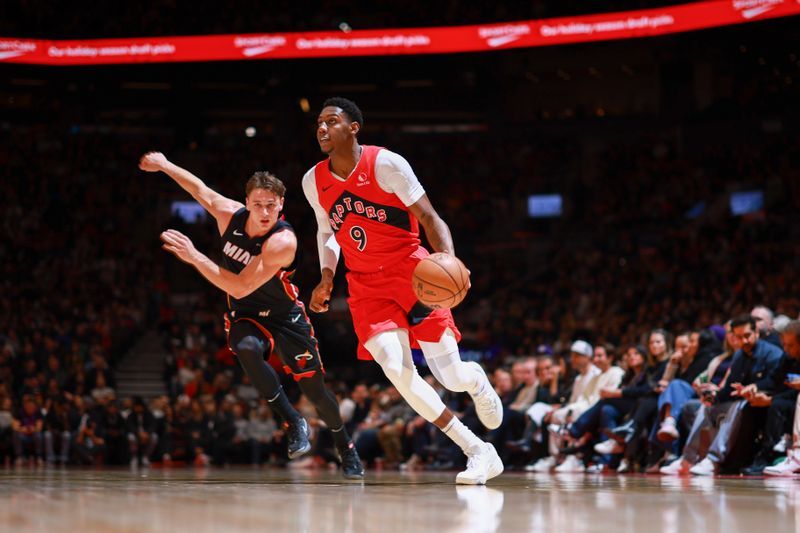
(265, 180)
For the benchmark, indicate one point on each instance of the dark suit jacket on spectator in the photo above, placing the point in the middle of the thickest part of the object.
(761, 368)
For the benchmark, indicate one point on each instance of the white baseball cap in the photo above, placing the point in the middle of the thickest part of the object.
(581, 347)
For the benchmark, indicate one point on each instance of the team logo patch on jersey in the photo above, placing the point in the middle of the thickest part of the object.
(362, 180)
(303, 358)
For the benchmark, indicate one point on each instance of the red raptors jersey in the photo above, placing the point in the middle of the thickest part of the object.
(374, 229)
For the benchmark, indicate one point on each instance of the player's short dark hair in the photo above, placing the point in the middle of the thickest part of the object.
(265, 180)
(741, 320)
(348, 106)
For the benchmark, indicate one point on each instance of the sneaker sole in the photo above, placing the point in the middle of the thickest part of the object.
(299, 453)
(793, 475)
(495, 469)
(615, 451)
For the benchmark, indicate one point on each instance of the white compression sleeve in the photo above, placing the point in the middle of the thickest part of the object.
(395, 175)
(327, 246)
(392, 350)
(448, 368)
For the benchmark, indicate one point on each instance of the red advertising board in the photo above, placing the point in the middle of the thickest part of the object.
(477, 38)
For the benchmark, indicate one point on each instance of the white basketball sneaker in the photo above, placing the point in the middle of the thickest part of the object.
(482, 466)
(571, 464)
(488, 405)
(609, 447)
(678, 467)
(790, 467)
(545, 464)
(706, 467)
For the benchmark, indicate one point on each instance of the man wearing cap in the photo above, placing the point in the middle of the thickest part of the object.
(584, 394)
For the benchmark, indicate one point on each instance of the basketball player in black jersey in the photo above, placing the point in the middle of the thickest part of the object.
(264, 313)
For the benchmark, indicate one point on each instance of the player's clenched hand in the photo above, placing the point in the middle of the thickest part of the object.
(153, 162)
(321, 296)
(180, 245)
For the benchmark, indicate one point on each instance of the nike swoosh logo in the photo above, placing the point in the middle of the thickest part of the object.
(238, 233)
(500, 41)
(295, 319)
(326, 188)
(756, 11)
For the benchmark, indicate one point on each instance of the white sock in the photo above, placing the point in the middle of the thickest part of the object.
(463, 436)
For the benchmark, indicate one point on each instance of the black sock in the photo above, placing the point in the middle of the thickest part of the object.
(341, 438)
(280, 405)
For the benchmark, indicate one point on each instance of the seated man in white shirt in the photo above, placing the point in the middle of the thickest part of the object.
(584, 394)
(611, 375)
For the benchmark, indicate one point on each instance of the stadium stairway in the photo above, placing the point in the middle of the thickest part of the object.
(140, 373)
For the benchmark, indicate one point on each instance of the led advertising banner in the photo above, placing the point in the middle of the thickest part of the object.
(477, 38)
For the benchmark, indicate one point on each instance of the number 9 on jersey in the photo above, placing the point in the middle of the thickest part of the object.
(358, 234)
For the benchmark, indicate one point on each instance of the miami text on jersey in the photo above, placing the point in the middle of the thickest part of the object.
(236, 253)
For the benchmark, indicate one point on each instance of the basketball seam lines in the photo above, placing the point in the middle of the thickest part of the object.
(455, 283)
(438, 287)
(449, 276)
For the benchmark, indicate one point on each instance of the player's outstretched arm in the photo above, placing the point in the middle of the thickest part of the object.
(220, 207)
(278, 251)
(436, 229)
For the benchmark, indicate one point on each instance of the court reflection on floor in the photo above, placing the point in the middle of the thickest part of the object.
(283, 500)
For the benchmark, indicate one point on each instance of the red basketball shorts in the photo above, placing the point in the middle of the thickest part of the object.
(383, 300)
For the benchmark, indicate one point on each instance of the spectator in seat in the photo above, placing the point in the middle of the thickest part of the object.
(142, 436)
(57, 426)
(754, 368)
(765, 324)
(89, 443)
(27, 432)
(790, 466)
(781, 407)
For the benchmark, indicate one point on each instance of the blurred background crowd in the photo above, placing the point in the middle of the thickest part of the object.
(647, 146)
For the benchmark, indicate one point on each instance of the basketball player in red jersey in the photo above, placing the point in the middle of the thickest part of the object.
(371, 201)
(264, 314)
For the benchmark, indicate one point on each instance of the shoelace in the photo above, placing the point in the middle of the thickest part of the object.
(297, 431)
(486, 403)
(473, 461)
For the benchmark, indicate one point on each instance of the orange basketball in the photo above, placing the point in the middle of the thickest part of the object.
(440, 281)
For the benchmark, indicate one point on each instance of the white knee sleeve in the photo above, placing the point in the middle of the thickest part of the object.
(448, 368)
(392, 350)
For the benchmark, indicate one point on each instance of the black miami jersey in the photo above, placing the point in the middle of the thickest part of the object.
(278, 296)
(274, 308)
